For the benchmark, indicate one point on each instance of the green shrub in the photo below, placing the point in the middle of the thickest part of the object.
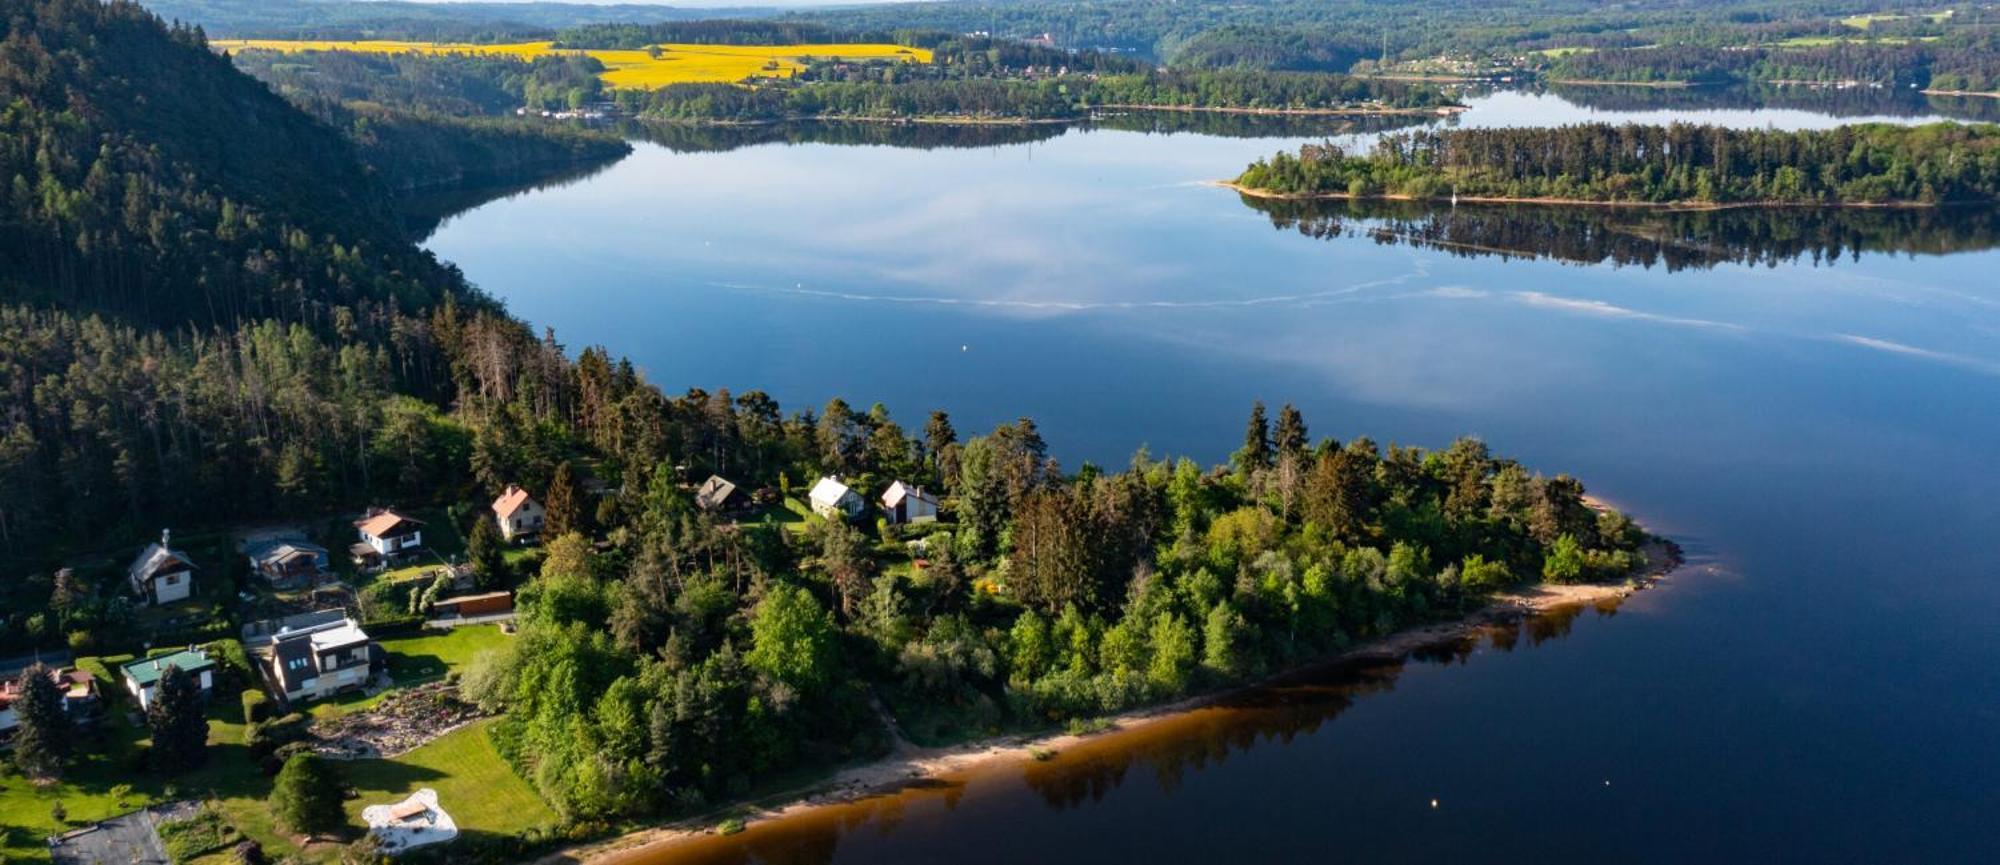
(202, 834)
(730, 826)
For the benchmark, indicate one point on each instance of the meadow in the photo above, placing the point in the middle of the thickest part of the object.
(633, 70)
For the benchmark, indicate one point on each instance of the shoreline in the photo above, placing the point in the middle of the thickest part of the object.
(1685, 206)
(1086, 117)
(1357, 111)
(1981, 94)
(1591, 82)
(910, 765)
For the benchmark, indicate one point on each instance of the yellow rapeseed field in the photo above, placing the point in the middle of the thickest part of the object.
(676, 64)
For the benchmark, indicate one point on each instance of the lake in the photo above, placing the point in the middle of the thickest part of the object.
(1809, 402)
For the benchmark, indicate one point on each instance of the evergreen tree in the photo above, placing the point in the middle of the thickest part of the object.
(180, 731)
(1291, 433)
(42, 742)
(564, 511)
(306, 796)
(486, 551)
(1256, 452)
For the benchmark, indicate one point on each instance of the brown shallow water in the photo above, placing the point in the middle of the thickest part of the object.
(1161, 751)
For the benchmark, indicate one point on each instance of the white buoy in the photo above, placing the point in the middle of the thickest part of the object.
(965, 348)
(1434, 803)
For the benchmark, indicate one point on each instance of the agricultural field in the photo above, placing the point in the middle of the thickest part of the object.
(632, 70)
(1863, 22)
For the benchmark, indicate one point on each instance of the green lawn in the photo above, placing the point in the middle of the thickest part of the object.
(473, 783)
(420, 658)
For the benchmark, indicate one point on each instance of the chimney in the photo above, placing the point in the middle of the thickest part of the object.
(165, 536)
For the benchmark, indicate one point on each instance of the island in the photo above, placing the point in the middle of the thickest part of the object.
(1672, 166)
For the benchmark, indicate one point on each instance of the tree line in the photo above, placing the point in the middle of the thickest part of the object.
(1867, 163)
(1969, 61)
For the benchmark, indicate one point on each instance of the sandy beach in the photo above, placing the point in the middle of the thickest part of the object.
(909, 765)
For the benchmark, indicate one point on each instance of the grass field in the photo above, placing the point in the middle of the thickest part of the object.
(473, 783)
(638, 70)
(1863, 22)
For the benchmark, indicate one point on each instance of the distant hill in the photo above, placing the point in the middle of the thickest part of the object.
(407, 20)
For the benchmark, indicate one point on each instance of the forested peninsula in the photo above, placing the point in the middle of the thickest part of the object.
(1680, 165)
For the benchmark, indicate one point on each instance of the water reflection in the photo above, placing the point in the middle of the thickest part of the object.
(704, 138)
(424, 212)
(1850, 102)
(1676, 240)
(1166, 752)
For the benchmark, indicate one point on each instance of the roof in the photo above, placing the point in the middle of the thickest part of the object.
(283, 653)
(282, 550)
(714, 493)
(466, 599)
(511, 501)
(387, 524)
(898, 490)
(830, 491)
(75, 684)
(156, 559)
(148, 671)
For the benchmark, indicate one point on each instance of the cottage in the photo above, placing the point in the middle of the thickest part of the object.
(318, 654)
(518, 513)
(286, 560)
(833, 500)
(720, 496)
(79, 696)
(388, 534)
(907, 504)
(142, 678)
(161, 574)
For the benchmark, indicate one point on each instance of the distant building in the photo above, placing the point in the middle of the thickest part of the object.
(518, 513)
(161, 574)
(387, 534)
(79, 696)
(720, 496)
(907, 504)
(315, 655)
(142, 678)
(833, 500)
(286, 560)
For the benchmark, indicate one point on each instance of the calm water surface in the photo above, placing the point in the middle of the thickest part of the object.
(1810, 403)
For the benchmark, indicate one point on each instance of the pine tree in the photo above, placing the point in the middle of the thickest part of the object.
(1256, 453)
(306, 797)
(43, 740)
(1291, 434)
(486, 551)
(180, 731)
(565, 512)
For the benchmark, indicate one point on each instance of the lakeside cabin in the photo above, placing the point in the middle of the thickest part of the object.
(386, 535)
(903, 503)
(142, 678)
(161, 574)
(719, 495)
(832, 499)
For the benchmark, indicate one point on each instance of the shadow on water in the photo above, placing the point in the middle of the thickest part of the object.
(1621, 237)
(1167, 751)
(424, 212)
(1831, 101)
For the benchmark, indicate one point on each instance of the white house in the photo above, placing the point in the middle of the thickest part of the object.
(318, 654)
(518, 513)
(142, 678)
(907, 504)
(832, 499)
(388, 533)
(161, 575)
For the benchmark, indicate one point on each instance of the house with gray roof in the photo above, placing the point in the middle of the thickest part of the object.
(315, 655)
(161, 574)
(287, 561)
